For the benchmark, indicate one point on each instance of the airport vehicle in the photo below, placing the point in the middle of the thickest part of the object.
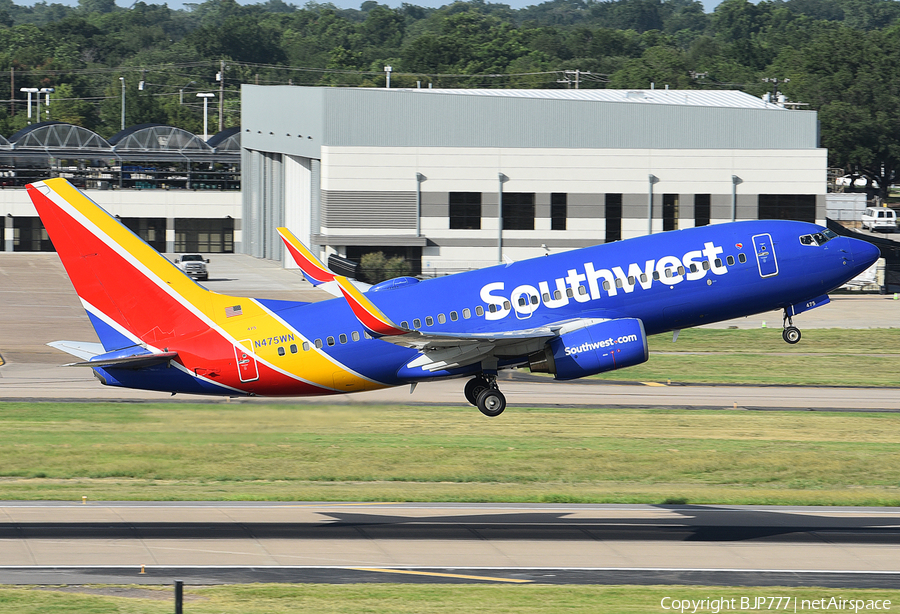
(194, 265)
(571, 314)
(879, 218)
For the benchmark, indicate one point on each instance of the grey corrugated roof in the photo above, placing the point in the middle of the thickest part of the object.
(694, 98)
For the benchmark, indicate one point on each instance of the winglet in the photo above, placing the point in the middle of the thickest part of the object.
(370, 316)
(313, 270)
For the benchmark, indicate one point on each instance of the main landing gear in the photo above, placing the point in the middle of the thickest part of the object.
(482, 392)
(791, 334)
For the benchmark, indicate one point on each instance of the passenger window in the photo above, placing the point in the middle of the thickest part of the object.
(706, 265)
(656, 275)
(718, 262)
(681, 270)
(506, 305)
(417, 323)
(730, 260)
(492, 308)
(293, 348)
(557, 295)
(355, 335)
(631, 280)
(343, 338)
(403, 324)
(694, 267)
(668, 272)
(454, 316)
(306, 346)
(606, 285)
(429, 321)
(619, 283)
(545, 296)
(467, 314)
(441, 318)
(534, 299)
(319, 343)
(479, 311)
(522, 301)
(643, 278)
(569, 292)
(330, 341)
(281, 350)
(742, 258)
(582, 290)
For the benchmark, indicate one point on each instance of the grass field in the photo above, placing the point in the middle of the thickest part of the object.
(824, 357)
(229, 451)
(428, 599)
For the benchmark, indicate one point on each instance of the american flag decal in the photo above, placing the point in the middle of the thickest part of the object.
(233, 311)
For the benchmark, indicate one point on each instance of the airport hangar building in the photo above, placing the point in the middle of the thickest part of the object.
(420, 173)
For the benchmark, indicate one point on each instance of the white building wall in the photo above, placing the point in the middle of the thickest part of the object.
(687, 171)
(143, 203)
(298, 202)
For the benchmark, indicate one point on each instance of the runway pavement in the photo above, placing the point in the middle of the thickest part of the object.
(407, 542)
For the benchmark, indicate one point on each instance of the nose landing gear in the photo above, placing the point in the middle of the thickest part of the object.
(791, 334)
(482, 392)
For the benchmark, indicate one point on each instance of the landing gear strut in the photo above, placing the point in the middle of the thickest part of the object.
(482, 392)
(791, 334)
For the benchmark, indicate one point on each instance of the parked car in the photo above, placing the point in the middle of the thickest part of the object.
(879, 218)
(193, 265)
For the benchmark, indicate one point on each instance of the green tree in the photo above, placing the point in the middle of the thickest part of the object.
(68, 107)
(374, 267)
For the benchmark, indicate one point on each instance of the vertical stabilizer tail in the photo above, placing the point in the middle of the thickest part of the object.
(132, 294)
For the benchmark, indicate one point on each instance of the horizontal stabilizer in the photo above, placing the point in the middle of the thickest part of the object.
(84, 350)
(135, 361)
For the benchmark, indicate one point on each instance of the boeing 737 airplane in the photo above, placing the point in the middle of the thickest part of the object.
(571, 314)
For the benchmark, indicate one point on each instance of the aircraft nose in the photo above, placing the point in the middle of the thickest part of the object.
(864, 253)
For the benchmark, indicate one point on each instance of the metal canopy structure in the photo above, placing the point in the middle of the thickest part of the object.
(142, 156)
(157, 138)
(57, 135)
(229, 140)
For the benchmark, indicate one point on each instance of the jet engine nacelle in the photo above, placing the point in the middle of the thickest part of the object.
(606, 346)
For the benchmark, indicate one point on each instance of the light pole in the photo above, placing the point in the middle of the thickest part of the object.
(122, 79)
(46, 91)
(181, 91)
(30, 91)
(205, 96)
(651, 181)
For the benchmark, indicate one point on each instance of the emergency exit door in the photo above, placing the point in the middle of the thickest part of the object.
(248, 371)
(765, 255)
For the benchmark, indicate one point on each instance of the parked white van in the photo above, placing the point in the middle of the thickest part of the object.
(879, 218)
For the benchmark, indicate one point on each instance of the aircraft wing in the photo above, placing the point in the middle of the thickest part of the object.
(451, 350)
(313, 270)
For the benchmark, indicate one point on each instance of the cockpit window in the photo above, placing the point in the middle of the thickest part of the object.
(818, 238)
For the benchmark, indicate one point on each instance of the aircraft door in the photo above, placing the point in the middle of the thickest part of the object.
(765, 255)
(525, 301)
(248, 370)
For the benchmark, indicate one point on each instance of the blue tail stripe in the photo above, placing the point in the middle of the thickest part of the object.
(110, 338)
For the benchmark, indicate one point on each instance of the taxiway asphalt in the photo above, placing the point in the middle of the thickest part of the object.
(154, 543)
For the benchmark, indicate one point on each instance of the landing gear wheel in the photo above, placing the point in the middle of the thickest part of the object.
(491, 402)
(475, 387)
(791, 334)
